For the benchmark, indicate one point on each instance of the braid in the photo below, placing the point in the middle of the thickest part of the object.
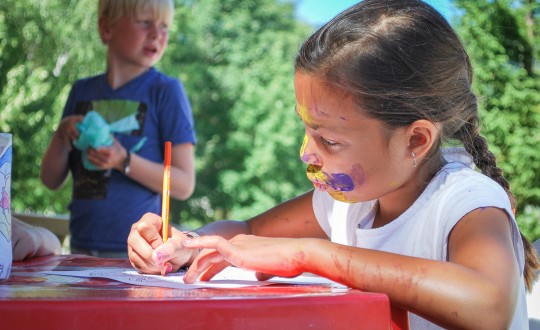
(532, 263)
(477, 147)
(487, 163)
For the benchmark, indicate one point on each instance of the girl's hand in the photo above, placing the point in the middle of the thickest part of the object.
(267, 256)
(146, 250)
(104, 158)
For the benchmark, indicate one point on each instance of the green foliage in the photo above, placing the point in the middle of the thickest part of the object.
(501, 41)
(235, 58)
(44, 47)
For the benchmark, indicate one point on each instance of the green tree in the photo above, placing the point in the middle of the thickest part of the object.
(236, 59)
(502, 39)
(44, 47)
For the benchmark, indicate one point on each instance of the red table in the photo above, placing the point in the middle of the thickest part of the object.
(29, 300)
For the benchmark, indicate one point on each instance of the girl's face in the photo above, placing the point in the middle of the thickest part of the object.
(349, 155)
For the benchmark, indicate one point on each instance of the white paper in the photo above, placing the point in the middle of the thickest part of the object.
(230, 277)
(6, 253)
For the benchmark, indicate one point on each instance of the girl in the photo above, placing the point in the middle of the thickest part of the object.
(380, 89)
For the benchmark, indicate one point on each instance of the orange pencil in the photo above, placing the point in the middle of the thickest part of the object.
(166, 191)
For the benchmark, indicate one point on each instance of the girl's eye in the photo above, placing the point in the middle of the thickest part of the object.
(328, 143)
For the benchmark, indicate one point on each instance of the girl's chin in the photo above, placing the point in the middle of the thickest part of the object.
(319, 187)
(339, 196)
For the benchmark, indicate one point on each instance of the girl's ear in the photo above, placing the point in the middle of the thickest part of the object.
(104, 30)
(422, 134)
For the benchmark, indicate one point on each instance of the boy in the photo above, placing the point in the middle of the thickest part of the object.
(128, 181)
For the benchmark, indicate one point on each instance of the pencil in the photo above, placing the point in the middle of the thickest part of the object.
(166, 191)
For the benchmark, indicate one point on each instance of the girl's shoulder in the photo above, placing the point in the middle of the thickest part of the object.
(460, 175)
(458, 181)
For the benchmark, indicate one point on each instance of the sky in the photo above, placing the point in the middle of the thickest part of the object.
(318, 12)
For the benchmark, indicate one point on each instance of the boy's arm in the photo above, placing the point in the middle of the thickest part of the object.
(150, 174)
(54, 164)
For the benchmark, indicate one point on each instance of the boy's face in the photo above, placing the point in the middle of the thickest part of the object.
(349, 155)
(137, 41)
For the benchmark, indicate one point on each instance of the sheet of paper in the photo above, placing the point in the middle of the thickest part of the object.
(231, 277)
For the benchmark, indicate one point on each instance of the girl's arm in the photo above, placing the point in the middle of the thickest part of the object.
(476, 288)
(148, 254)
(293, 218)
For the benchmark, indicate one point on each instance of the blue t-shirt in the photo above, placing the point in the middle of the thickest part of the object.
(106, 203)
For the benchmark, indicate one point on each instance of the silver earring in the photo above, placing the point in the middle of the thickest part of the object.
(414, 158)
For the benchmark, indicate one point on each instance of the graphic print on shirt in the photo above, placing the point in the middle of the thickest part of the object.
(94, 184)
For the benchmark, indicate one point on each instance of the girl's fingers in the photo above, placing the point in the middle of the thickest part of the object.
(213, 265)
(166, 268)
(140, 254)
(263, 276)
(149, 228)
(202, 272)
(142, 240)
(207, 264)
(142, 265)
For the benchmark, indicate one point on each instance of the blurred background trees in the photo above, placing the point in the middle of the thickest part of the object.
(235, 58)
(502, 37)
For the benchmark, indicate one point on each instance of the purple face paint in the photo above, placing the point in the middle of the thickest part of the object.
(358, 174)
(337, 181)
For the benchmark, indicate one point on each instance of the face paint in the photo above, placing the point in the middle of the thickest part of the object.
(303, 155)
(338, 182)
(308, 158)
(357, 174)
(304, 114)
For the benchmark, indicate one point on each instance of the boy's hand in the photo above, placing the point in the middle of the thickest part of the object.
(67, 130)
(113, 156)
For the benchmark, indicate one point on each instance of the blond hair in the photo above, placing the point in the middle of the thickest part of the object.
(112, 10)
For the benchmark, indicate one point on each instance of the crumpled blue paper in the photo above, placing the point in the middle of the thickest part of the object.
(95, 132)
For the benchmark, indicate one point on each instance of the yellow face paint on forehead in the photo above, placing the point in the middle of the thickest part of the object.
(303, 112)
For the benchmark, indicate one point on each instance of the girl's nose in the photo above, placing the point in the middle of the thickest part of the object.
(307, 155)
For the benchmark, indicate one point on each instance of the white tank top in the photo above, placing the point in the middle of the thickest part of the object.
(423, 229)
